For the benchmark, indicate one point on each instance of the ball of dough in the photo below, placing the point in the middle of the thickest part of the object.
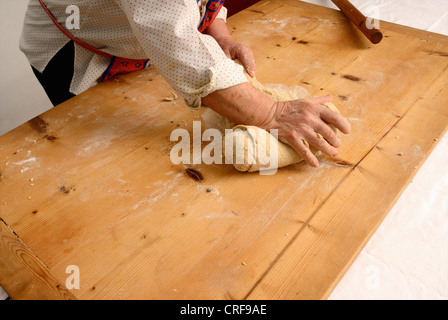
(255, 149)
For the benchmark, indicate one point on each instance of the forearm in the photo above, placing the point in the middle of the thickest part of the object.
(242, 104)
(218, 30)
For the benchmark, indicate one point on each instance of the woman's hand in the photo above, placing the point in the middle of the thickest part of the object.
(233, 50)
(300, 123)
(304, 123)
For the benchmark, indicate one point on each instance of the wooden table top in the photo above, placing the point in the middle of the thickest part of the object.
(90, 183)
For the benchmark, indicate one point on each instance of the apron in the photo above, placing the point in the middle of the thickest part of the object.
(119, 65)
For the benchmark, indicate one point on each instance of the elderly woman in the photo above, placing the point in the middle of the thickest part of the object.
(187, 41)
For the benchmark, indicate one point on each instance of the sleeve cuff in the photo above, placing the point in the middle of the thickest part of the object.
(225, 74)
(222, 14)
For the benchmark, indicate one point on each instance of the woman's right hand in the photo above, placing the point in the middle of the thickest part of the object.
(303, 123)
(300, 123)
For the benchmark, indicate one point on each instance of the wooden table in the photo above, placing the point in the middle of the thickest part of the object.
(90, 183)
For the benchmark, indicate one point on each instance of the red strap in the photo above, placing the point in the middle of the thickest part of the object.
(68, 34)
(212, 10)
(122, 65)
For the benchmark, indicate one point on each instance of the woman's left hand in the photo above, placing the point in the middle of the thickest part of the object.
(235, 50)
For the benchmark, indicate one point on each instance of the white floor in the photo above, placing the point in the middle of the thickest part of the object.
(21, 96)
(407, 258)
(3, 294)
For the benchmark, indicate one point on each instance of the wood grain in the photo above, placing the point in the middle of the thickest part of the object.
(23, 275)
(97, 189)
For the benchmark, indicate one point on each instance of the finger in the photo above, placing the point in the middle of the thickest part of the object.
(320, 100)
(246, 56)
(302, 148)
(252, 69)
(317, 141)
(327, 133)
(335, 119)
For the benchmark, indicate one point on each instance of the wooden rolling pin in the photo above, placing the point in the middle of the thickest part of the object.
(359, 20)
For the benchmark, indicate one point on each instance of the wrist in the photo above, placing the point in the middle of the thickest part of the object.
(271, 120)
(223, 41)
(243, 104)
(218, 30)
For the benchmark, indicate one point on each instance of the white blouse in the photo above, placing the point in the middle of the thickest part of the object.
(165, 31)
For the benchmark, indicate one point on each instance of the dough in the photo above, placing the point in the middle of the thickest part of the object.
(253, 148)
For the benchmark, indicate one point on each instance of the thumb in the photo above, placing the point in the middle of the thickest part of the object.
(247, 59)
(251, 68)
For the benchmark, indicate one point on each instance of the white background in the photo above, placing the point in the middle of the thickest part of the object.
(407, 258)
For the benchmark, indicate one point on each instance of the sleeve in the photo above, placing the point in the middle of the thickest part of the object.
(192, 63)
(222, 14)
